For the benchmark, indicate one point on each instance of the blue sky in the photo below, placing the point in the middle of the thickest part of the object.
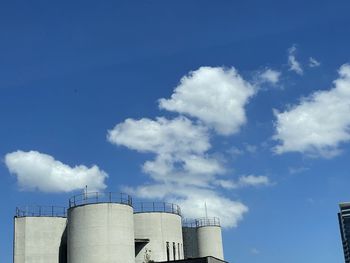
(186, 101)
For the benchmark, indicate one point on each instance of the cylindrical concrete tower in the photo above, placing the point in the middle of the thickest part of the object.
(158, 232)
(209, 238)
(39, 235)
(101, 229)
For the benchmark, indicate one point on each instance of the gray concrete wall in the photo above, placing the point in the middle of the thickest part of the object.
(210, 242)
(159, 228)
(101, 233)
(214, 260)
(190, 242)
(39, 239)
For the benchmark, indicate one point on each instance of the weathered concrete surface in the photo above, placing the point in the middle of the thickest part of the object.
(101, 233)
(190, 240)
(159, 228)
(39, 239)
(210, 242)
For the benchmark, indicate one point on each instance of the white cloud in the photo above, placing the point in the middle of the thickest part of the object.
(193, 205)
(318, 124)
(246, 148)
(214, 95)
(192, 201)
(235, 151)
(313, 63)
(294, 65)
(253, 180)
(179, 145)
(251, 148)
(161, 136)
(245, 181)
(182, 169)
(35, 170)
(297, 170)
(270, 76)
(226, 184)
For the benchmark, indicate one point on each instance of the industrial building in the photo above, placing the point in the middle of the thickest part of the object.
(344, 224)
(111, 228)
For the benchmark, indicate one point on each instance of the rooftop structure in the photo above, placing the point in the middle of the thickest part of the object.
(199, 260)
(111, 228)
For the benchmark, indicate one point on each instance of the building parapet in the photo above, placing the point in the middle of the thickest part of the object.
(200, 222)
(100, 197)
(41, 211)
(163, 207)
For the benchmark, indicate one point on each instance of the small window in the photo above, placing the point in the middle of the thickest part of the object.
(174, 251)
(167, 252)
(178, 251)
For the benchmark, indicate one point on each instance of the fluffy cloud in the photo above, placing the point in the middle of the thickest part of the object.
(193, 204)
(214, 95)
(270, 76)
(294, 65)
(313, 63)
(40, 171)
(253, 180)
(245, 181)
(192, 201)
(183, 170)
(318, 124)
(179, 145)
(161, 136)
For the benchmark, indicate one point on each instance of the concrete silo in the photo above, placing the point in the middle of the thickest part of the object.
(39, 235)
(158, 232)
(101, 229)
(209, 238)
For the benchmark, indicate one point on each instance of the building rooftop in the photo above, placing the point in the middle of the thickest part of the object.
(198, 260)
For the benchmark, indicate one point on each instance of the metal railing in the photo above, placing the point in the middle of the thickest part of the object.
(100, 197)
(200, 222)
(41, 211)
(144, 207)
